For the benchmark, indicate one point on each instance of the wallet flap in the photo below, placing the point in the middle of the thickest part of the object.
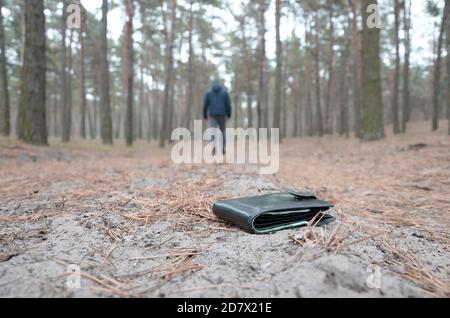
(303, 195)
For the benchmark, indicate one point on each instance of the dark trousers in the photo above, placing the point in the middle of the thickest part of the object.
(219, 122)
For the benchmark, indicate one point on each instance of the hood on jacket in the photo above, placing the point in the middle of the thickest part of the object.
(216, 86)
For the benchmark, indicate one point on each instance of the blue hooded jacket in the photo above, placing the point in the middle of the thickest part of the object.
(217, 102)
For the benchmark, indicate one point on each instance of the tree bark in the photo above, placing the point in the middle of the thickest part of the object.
(5, 124)
(296, 104)
(156, 112)
(395, 86)
(90, 123)
(406, 107)
(22, 120)
(148, 133)
(279, 68)
(284, 88)
(32, 126)
(143, 95)
(68, 116)
(171, 113)
(169, 60)
(447, 11)
(328, 108)
(437, 73)
(317, 73)
(237, 98)
(299, 92)
(96, 108)
(82, 71)
(309, 127)
(139, 118)
(129, 71)
(54, 111)
(263, 121)
(106, 130)
(356, 68)
(372, 109)
(344, 92)
(191, 76)
(248, 75)
(65, 113)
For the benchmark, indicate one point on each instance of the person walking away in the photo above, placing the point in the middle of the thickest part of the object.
(217, 109)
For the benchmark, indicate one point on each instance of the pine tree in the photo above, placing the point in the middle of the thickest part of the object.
(105, 99)
(129, 71)
(372, 107)
(436, 101)
(32, 127)
(395, 93)
(5, 125)
(279, 68)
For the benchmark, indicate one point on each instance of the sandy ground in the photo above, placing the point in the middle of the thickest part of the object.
(136, 225)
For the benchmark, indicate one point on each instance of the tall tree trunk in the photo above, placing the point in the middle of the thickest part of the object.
(344, 91)
(284, 81)
(372, 109)
(118, 111)
(263, 121)
(96, 110)
(143, 96)
(328, 108)
(55, 112)
(5, 124)
(117, 128)
(65, 113)
(406, 108)
(317, 73)
(437, 72)
(356, 68)
(299, 95)
(90, 123)
(396, 84)
(170, 42)
(248, 74)
(191, 75)
(171, 113)
(22, 120)
(296, 104)
(309, 127)
(148, 133)
(447, 10)
(129, 71)
(139, 118)
(149, 109)
(237, 98)
(279, 68)
(32, 119)
(156, 106)
(56, 98)
(68, 116)
(82, 71)
(97, 91)
(105, 98)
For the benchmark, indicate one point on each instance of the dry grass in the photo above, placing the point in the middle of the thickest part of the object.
(186, 206)
(413, 269)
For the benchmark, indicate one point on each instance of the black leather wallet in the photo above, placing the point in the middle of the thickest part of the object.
(274, 212)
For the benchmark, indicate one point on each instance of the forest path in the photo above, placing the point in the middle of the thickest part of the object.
(137, 225)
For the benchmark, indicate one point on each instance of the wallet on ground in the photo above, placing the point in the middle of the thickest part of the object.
(274, 212)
